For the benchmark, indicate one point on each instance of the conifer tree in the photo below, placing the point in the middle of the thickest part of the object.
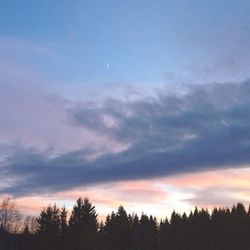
(83, 225)
(63, 229)
(49, 228)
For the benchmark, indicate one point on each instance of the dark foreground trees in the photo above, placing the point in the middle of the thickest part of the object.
(224, 229)
(83, 226)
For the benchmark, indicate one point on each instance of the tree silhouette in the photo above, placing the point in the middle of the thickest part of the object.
(9, 216)
(83, 225)
(63, 229)
(118, 231)
(224, 229)
(49, 228)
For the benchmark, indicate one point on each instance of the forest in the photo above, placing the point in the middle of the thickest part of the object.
(57, 229)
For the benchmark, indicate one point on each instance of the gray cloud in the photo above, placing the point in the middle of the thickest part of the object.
(206, 128)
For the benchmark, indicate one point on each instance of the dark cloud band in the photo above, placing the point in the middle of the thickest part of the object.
(207, 128)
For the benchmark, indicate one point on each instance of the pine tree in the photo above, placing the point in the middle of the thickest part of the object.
(49, 228)
(164, 234)
(63, 229)
(83, 225)
(118, 233)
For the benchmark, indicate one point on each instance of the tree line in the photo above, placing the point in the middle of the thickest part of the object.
(56, 229)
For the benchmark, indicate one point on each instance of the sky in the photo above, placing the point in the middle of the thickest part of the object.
(139, 103)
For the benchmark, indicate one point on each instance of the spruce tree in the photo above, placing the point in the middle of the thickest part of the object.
(83, 225)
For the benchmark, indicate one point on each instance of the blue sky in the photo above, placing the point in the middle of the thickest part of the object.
(124, 100)
(128, 41)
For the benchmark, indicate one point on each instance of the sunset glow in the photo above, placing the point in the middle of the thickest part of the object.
(132, 103)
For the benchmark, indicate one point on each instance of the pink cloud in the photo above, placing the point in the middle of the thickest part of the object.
(159, 196)
(227, 178)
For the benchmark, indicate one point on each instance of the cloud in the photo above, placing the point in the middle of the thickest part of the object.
(213, 188)
(218, 196)
(34, 115)
(205, 128)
